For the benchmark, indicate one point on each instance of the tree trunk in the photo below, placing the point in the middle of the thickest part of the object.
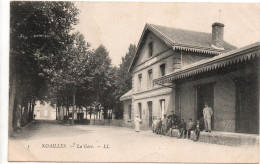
(30, 111)
(25, 114)
(67, 106)
(76, 113)
(67, 98)
(58, 117)
(57, 111)
(63, 112)
(73, 106)
(18, 112)
(12, 105)
(33, 105)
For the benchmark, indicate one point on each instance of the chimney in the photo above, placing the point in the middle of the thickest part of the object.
(217, 35)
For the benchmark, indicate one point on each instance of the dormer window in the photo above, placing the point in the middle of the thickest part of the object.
(150, 46)
(162, 69)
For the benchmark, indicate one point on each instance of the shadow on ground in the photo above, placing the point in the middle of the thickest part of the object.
(46, 129)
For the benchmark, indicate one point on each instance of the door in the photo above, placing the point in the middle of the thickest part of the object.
(150, 109)
(205, 94)
(247, 105)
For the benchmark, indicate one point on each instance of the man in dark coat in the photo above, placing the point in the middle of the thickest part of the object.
(190, 127)
(173, 121)
(182, 128)
(199, 127)
(159, 127)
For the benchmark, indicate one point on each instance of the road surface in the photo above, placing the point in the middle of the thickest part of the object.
(51, 141)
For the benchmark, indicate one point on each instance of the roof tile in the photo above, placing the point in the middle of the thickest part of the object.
(189, 38)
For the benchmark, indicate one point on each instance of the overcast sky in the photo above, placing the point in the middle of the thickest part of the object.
(117, 24)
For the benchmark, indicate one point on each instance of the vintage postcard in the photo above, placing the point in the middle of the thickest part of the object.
(133, 82)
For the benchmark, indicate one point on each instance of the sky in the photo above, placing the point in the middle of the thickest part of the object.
(116, 25)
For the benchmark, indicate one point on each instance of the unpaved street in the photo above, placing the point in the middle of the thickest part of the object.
(50, 141)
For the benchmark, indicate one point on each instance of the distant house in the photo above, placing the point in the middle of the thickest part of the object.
(44, 111)
(179, 70)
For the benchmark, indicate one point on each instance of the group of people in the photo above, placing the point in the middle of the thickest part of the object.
(163, 126)
(173, 122)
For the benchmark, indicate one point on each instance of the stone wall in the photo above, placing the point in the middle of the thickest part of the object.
(106, 122)
(224, 99)
(224, 105)
(127, 119)
(187, 101)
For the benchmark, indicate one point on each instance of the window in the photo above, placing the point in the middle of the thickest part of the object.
(162, 69)
(150, 46)
(129, 111)
(139, 82)
(162, 106)
(150, 79)
(140, 110)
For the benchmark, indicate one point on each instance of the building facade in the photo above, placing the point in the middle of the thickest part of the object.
(44, 111)
(162, 51)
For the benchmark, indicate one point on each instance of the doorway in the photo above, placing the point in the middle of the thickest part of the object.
(205, 94)
(150, 109)
(247, 105)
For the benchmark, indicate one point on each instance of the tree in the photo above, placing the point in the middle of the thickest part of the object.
(38, 39)
(123, 82)
(99, 64)
(125, 77)
(73, 72)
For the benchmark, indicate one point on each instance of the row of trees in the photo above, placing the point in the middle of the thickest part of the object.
(49, 63)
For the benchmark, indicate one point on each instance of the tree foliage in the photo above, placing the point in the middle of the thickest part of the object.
(124, 77)
(49, 63)
(39, 37)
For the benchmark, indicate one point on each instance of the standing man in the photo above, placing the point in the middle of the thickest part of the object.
(207, 113)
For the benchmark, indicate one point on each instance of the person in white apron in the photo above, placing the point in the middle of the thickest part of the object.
(137, 123)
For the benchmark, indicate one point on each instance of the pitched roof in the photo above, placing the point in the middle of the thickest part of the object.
(127, 96)
(183, 40)
(222, 60)
(189, 38)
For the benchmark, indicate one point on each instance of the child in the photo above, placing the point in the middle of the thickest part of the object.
(155, 124)
(159, 127)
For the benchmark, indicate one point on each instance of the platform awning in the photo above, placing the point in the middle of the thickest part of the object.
(222, 60)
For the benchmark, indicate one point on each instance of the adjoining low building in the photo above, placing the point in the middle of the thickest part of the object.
(127, 106)
(229, 82)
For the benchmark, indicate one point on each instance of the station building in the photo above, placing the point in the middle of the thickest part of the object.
(179, 70)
